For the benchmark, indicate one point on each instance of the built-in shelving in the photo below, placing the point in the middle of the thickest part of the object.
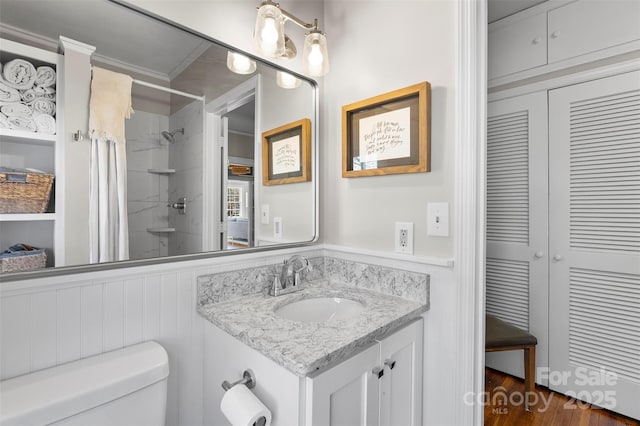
(31, 138)
(27, 217)
(42, 151)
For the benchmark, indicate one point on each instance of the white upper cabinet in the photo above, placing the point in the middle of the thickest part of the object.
(588, 26)
(517, 45)
(560, 34)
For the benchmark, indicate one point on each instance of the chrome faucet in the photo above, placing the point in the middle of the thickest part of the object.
(290, 278)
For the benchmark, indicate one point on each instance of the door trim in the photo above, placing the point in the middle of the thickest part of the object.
(470, 148)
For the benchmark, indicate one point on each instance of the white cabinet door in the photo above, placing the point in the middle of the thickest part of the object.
(347, 394)
(588, 26)
(380, 386)
(401, 386)
(516, 227)
(517, 45)
(594, 241)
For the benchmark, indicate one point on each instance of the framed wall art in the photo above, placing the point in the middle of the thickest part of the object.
(388, 134)
(286, 153)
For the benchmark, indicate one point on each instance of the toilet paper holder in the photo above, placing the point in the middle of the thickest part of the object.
(248, 379)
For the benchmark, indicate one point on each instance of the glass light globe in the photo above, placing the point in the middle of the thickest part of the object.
(316, 56)
(240, 64)
(268, 35)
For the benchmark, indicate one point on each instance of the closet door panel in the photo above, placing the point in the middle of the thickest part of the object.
(595, 240)
(516, 264)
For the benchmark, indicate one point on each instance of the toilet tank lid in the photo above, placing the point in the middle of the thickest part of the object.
(53, 394)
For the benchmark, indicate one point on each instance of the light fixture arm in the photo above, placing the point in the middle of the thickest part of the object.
(290, 17)
(299, 21)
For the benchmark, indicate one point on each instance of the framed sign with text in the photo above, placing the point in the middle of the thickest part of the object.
(286, 153)
(388, 134)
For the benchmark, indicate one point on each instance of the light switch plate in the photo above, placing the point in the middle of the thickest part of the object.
(438, 219)
(264, 214)
(277, 228)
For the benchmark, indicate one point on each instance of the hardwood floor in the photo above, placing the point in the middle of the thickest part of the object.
(504, 406)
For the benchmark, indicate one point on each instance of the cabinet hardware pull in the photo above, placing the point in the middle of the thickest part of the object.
(538, 255)
(378, 371)
(536, 40)
(390, 364)
(558, 258)
(555, 34)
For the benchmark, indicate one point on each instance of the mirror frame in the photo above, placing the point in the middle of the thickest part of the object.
(96, 267)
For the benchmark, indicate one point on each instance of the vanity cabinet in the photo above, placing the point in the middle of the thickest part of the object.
(546, 38)
(381, 385)
(21, 148)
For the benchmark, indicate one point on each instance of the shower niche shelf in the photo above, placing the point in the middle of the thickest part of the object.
(160, 230)
(162, 171)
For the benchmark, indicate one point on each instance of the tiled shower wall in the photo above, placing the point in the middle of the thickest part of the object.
(185, 156)
(147, 193)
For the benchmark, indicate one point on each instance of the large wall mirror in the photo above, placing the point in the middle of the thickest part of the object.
(195, 156)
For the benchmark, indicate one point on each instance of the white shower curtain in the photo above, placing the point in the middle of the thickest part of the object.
(109, 227)
(110, 105)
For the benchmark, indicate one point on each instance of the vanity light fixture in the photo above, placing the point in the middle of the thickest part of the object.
(286, 80)
(240, 64)
(271, 41)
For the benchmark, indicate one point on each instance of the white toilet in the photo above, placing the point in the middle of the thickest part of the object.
(126, 387)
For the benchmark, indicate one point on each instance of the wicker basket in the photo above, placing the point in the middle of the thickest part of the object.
(22, 261)
(23, 191)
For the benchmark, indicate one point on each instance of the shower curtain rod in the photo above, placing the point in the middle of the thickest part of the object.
(167, 89)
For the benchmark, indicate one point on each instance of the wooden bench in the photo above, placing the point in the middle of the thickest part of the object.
(501, 336)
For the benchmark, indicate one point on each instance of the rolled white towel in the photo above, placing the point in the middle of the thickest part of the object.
(29, 95)
(45, 76)
(45, 123)
(43, 106)
(16, 109)
(45, 92)
(19, 74)
(4, 123)
(8, 94)
(22, 123)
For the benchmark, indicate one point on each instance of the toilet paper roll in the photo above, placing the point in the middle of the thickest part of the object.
(242, 408)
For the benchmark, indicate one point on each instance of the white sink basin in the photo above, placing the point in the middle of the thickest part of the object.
(319, 309)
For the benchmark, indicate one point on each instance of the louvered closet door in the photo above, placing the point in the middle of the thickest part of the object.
(594, 323)
(517, 261)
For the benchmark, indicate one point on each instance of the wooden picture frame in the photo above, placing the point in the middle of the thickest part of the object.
(286, 153)
(393, 128)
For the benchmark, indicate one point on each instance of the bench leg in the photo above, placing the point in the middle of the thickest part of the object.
(529, 373)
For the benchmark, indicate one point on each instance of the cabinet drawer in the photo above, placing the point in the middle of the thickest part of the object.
(588, 26)
(517, 45)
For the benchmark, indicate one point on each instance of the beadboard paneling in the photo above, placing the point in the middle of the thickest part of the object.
(57, 324)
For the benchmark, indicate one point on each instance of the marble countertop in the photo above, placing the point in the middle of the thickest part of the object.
(304, 347)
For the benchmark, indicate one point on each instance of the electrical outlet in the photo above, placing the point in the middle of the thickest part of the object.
(404, 237)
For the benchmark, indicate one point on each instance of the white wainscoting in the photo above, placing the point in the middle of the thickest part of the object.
(50, 321)
(46, 327)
